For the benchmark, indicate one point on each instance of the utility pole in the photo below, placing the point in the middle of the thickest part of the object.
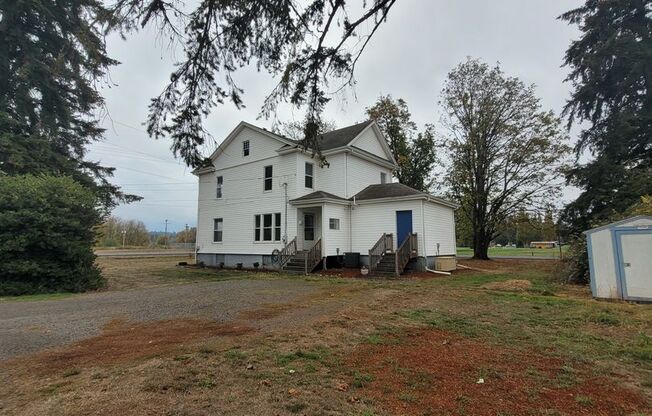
(166, 233)
(186, 238)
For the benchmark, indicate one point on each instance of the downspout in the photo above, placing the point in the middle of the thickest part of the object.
(351, 207)
(346, 174)
(423, 227)
(285, 222)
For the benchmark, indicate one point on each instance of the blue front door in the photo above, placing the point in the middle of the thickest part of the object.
(403, 226)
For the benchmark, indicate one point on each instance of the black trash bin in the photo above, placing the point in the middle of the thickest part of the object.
(352, 260)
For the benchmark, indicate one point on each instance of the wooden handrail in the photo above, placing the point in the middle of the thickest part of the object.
(313, 257)
(407, 251)
(288, 251)
(384, 243)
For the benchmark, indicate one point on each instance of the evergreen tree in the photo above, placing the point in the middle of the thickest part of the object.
(46, 235)
(414, 151)
(51, 56)
(611, 74)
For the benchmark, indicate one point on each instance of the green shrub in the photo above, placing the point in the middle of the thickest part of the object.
(46, 235)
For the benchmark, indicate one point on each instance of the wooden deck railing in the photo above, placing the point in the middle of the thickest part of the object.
(384, 243)
(407, 251)
(313, 257)
(288, 251)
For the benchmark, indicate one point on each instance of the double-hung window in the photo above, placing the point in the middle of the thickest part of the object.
(309, 175)
(267, 180)
(334, 223)
(218, 189)
(267, 227)
(245, 148)
(217, 230)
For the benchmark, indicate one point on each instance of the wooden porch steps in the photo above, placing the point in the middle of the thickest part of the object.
(297, 263)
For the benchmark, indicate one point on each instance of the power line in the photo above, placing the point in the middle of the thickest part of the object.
(146, 173)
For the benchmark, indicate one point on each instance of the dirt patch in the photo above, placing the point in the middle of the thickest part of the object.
(268, 311)
(343, 272)
(122, 341)
(504, 265)
(513, 285)
(435, 372)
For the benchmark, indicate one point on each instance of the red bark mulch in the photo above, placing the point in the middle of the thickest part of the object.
(435, 372)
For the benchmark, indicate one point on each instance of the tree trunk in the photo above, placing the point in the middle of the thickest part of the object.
(481, 248)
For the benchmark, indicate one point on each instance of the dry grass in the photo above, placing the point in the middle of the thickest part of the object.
(364, 348)
(135, 273)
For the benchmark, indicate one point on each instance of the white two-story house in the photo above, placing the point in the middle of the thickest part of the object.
(264, 200)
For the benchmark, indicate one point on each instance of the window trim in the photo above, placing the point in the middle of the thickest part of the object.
(216, 229)
(246, 148)
(274, 228)
(219, 188)
(311, 175)
(266, 178)
(334, 221)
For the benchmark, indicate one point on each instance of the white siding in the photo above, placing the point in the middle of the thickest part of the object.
(332, 178)
(370, 221)
(601, 256)
(439, 228)
(260, 147)
(362, 173)
(243, 196)
(604, 265)
(334, 239)
(369, 141)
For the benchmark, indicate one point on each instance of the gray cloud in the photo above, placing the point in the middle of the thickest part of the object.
(409, 57)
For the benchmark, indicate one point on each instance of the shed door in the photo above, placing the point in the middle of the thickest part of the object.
(636, 264)
(403, 226)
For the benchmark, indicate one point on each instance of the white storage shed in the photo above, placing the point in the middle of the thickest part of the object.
(620, 259)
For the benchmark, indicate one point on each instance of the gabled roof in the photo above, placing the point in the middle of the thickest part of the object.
(242, 125)
(395, 190)
(617, 223)
(342, 137)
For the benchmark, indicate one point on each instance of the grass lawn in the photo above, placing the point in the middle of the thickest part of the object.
(516, 252)
(507, 340)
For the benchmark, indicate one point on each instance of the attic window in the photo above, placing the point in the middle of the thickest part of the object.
(383, 177)
(245, 148)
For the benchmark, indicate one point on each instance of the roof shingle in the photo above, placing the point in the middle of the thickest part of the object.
(317, 195)
(386, 190)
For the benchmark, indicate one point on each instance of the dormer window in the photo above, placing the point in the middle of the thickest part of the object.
(245, 148)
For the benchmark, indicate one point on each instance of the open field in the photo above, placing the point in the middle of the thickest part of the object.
(507, 340)
(515, 252)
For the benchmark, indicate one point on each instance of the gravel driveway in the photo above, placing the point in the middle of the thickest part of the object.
(34, 325)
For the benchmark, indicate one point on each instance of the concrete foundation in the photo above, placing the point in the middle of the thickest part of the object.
(232, 260)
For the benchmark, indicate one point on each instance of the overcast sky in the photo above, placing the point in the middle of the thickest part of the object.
(409, 57)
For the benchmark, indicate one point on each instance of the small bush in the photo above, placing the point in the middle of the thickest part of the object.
(47, 235)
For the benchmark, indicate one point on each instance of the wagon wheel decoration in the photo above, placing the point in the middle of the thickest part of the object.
(276, 256)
